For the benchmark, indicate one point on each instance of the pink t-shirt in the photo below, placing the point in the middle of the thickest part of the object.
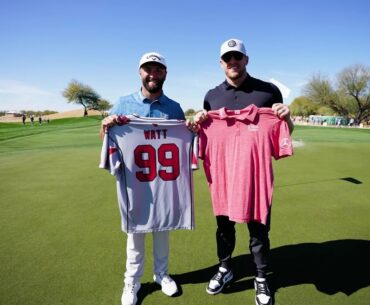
(237, 147)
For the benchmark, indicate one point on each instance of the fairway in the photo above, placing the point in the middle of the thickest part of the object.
(60, 238)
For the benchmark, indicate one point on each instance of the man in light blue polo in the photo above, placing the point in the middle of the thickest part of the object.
(149, 101)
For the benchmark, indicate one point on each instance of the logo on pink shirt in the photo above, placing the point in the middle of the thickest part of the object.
(253, 127)
(285, 143)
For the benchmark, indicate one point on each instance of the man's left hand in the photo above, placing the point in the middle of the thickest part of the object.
(280, 110)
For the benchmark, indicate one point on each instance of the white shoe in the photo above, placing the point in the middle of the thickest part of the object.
(219, 280)
(263, 294)
(169, 286)
(129, 295)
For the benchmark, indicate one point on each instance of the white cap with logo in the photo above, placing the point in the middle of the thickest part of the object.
(234, 45)
(152, 57)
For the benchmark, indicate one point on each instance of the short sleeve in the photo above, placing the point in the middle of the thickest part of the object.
(276, 95)
(202, 143)
(110, 156)
(114, 109)
(194, 158)
(206, 104)
(181, 114)
(282, 143)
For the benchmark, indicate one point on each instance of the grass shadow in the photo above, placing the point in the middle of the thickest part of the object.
(347, 179)
(332, 266)
(352, 180)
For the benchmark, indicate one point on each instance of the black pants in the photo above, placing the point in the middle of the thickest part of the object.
(259, 243)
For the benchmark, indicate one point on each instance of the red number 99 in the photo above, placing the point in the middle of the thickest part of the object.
(168, 156)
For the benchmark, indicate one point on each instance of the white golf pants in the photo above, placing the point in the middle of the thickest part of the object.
(135, 251)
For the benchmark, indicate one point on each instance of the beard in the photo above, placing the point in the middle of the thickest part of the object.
(153, 86)
(235, 75)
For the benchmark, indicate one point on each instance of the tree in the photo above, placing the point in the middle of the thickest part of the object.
(355, 83)
(48, 112)
(325, 110)
(79, 93)
(102, 106)
(302, 106)
(350, 98)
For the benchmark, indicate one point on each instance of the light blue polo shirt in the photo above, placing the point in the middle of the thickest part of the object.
(137, 104)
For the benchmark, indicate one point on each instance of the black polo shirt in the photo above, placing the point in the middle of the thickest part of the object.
(251, 91)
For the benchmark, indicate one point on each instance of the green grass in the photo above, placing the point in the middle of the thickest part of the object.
(60, 238)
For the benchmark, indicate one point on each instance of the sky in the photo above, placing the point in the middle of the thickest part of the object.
(44, 45)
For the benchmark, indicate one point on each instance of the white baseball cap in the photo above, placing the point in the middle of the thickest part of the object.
(152, 57)
(235, 45)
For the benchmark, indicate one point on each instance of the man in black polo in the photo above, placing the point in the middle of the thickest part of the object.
(238, 91)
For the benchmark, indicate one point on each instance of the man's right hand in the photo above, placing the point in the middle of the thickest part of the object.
(199, 117)
(110, 121)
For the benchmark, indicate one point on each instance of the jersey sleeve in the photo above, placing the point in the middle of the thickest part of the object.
(110, 156)
(282, 143)
(202, 143)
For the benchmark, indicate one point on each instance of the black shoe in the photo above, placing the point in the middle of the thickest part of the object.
(263, 295)
(219, 280)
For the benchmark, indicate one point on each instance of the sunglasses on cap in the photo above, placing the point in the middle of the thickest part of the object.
(236, 55)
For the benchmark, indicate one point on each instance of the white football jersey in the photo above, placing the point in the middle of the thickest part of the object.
(152, 160)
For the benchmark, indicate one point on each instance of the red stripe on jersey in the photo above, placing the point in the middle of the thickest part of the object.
(112, 150)
(194, 160)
